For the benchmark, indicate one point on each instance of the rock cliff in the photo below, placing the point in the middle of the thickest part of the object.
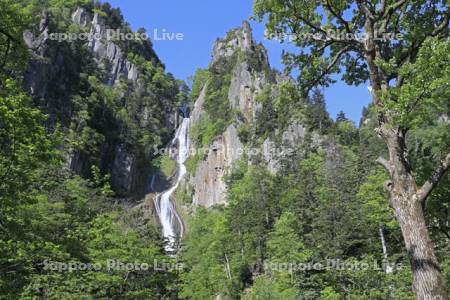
(208, 181)
(250, 73)
(63, 70)
(250, 76)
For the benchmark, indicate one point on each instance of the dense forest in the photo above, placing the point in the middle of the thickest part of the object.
(297, 204)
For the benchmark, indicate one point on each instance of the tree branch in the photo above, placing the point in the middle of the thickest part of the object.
(5, 59)
(9, 36)
(329, 67)
(337, 16)
(386, 14)
(442, 230)
(385, 163)
(362, 6)
(444, 24)
(434, 179)
(325, 45)
(383, 7)
(304, 20)
(396, 6)
(317, 28)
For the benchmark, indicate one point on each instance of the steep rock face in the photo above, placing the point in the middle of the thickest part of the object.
(248, 77)
(102, 43)
(81, 17)
(275, 151)
(125, 164)
(244, 86)
(287, 146)
(208, 182)
(36, 76)
(123, 170)
(198, 111)
(54, 74)
(239, 38)
(104, 48)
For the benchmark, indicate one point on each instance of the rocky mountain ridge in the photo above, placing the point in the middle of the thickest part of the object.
(249, 76)
(54, 83)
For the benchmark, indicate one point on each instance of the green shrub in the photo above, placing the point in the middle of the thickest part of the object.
(244, 132)
(183, 194)
(165, 164)
(198, 82)
(192, 162)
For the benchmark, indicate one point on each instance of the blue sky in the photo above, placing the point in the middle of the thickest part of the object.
(201, 22)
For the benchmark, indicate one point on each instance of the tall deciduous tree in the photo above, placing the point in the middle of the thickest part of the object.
(15, 17)
(408, 75)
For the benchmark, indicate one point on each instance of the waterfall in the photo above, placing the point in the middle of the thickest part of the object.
(165, 208)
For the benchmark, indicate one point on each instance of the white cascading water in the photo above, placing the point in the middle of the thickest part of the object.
(165, 208)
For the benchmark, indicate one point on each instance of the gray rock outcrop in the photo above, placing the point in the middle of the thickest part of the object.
(101, 44)
(208, 182)
(247, 81)
(56, 66)
(239, 38)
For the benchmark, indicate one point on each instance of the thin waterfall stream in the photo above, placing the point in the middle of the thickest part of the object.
(165, 208)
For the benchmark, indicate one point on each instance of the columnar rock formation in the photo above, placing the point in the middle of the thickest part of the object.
(49, 80)
(208, 181)
(249, 77)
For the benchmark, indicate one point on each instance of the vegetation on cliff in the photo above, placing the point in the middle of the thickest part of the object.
(79, 128)
(54, 218)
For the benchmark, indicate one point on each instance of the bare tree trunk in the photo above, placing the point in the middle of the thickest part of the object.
(406, 199)
(388, 267)
(227, 267)
(427, 279)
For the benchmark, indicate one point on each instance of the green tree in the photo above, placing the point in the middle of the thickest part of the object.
(24, 148)
(286, 248)
(265, 289)
(15, 17)
(341, 117)
(252, 210)
(197, 83)
(406, 75)
(316, 112)
(209, 269)
(24, 143)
